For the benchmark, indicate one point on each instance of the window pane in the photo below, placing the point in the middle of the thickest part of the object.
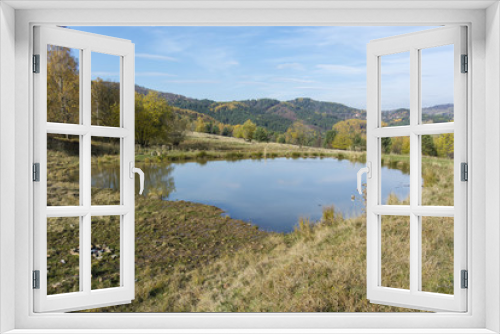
(437, 84)
(437, 254)
(437, 169)
(395, 251)
(63, 255)
(105, 89)
(395, 89)
(63, 170)
(105, 171)
(105, 252)
(63, 85)
(395, 163)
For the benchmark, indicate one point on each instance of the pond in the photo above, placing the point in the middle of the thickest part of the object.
(272, 193)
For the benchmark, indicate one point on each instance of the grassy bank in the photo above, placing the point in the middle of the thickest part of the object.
(191, 259)
(203, 146)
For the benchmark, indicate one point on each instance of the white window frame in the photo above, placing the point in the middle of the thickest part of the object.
(123, 50)
(484, 83)
(412, 44)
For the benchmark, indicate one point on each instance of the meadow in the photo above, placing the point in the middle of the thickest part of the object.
(189, 258)
(204, 146)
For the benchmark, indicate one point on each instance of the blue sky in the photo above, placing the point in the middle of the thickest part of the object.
(237, 63)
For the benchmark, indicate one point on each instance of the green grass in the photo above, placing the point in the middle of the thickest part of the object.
(191, 259)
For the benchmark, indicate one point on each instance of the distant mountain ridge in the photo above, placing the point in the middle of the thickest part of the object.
(278, 115)
(436, 114)
(272, 114)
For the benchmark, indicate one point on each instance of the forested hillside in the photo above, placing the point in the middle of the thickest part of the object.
(437, 114)
(278, 116)
(163, 118)
(272, 114)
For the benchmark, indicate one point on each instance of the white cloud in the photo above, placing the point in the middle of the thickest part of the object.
(154, 74)
(341, 69)
(293, 80)
(215, 59)
(346, 37)
(102, 74)
(155, 57)
(313, 87)
(193, 81)
(290, 66)
(253, 83)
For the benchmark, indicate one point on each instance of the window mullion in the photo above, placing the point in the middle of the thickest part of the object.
(434, 129)
(85, 181)
(415, 267)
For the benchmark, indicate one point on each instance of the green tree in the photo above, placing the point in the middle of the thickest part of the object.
(208, 127)
(248, 129)
(359, 142)
(386, 145)
(428, 147)
(329, 137)
(261, 134)
(226, 131)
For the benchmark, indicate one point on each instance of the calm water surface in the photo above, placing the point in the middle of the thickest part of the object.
(271, 193)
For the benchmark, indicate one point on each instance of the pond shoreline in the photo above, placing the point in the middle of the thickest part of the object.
(191, 259)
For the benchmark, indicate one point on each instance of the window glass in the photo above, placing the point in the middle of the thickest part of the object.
(63, 85)
(395, 167)
(437, 169)
(395, 89)
(105, 171)
(437, 254)
(63, 255)
(437, 84)
(63, 170)
(105, 251)
(395, 257)
(105, 89)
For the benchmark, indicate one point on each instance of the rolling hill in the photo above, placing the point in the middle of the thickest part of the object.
(278, 115)
(269, 113)
(436, 114)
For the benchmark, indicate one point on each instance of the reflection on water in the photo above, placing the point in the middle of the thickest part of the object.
(158, 179)
(271, 193)
(105, 176)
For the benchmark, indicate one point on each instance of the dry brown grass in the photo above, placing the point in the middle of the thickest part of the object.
(203, 146)
(191, 259)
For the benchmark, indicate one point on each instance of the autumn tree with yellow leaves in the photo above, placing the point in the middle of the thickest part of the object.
(63, 86)
(350, 135)
(248, 129)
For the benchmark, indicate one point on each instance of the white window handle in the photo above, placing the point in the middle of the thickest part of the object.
(368, 171)
(133, 170)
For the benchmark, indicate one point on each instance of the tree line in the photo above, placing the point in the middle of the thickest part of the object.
(156, 122)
